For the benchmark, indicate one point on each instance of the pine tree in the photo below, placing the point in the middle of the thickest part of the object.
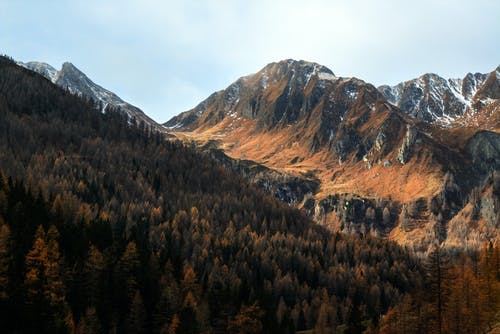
(174, 325)
(188, 321)
(89, 323)
(93, 275)
(37, 309)
(54, 286)
(439, 277)
(126, 273)
(5, 259)
(247, 321)
(136, 321)
(169, 302)
(36, 260)
(489, 282)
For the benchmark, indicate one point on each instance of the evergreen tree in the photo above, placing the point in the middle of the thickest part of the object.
(126, 274)
(247, 321)
(5, 260)
(439, 276)
(36, 261)
(89, 323)
(94, 275)
(136, 321)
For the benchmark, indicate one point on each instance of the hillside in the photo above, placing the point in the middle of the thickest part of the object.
(300, 120)
(105, 226)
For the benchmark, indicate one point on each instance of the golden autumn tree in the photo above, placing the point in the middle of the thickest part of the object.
(36, 260)
(247, 321)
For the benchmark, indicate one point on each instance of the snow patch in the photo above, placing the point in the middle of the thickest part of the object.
(263, 83)
(326, 76)
(175, 126)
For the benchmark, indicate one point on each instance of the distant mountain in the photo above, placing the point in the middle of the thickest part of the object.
(432, 98)
(76, 82)
(359, 148)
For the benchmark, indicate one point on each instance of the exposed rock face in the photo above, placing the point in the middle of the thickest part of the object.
(489, 91)
(76, 82)
(484, 150)
(471, 84)
(326, 110)
(285, 187)
(280, 94)
(405, 150)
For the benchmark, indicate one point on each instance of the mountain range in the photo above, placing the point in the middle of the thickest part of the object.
(345, 151)
(108, 225)
(417, 149)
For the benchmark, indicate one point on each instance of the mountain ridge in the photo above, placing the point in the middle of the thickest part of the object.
(432, 98)
(76, 82)
(298, 118)
(461, 92)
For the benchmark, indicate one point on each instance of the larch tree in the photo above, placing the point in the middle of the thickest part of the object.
(89, 323)
(93, 275)
(36, 260)
(247, 321)
(126, 272)
(136, 320)
(5, 259)
(439, 277)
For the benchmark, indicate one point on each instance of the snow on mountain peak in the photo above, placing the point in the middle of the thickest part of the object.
(434, 99)
(43, 68)
(76, 82)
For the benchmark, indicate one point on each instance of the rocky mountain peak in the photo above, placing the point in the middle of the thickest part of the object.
(296, 66)
(434, 99)
(281, 94)
(76, 82)
(67, 66)
(71, 78)
(299, 71)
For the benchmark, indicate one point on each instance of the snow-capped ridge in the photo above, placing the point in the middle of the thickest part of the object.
(432, 98)
(43, 68)
(76, 82)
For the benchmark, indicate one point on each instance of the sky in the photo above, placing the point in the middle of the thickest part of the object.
(167, 56)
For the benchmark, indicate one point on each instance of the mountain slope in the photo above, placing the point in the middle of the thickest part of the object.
(76, 82)
(299, 119)
(115, 229)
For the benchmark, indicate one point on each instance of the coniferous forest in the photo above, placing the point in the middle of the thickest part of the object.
(106, 226)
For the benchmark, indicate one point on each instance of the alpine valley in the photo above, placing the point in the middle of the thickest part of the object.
(293, 201)
(414, 163)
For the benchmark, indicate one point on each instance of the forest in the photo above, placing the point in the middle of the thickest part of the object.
(107, 227)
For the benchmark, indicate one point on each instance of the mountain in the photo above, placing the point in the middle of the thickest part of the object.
(76, 82)
(366, 155)
(107, 227)
(434, 99)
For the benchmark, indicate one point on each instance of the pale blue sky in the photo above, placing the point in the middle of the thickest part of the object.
(166, 56)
